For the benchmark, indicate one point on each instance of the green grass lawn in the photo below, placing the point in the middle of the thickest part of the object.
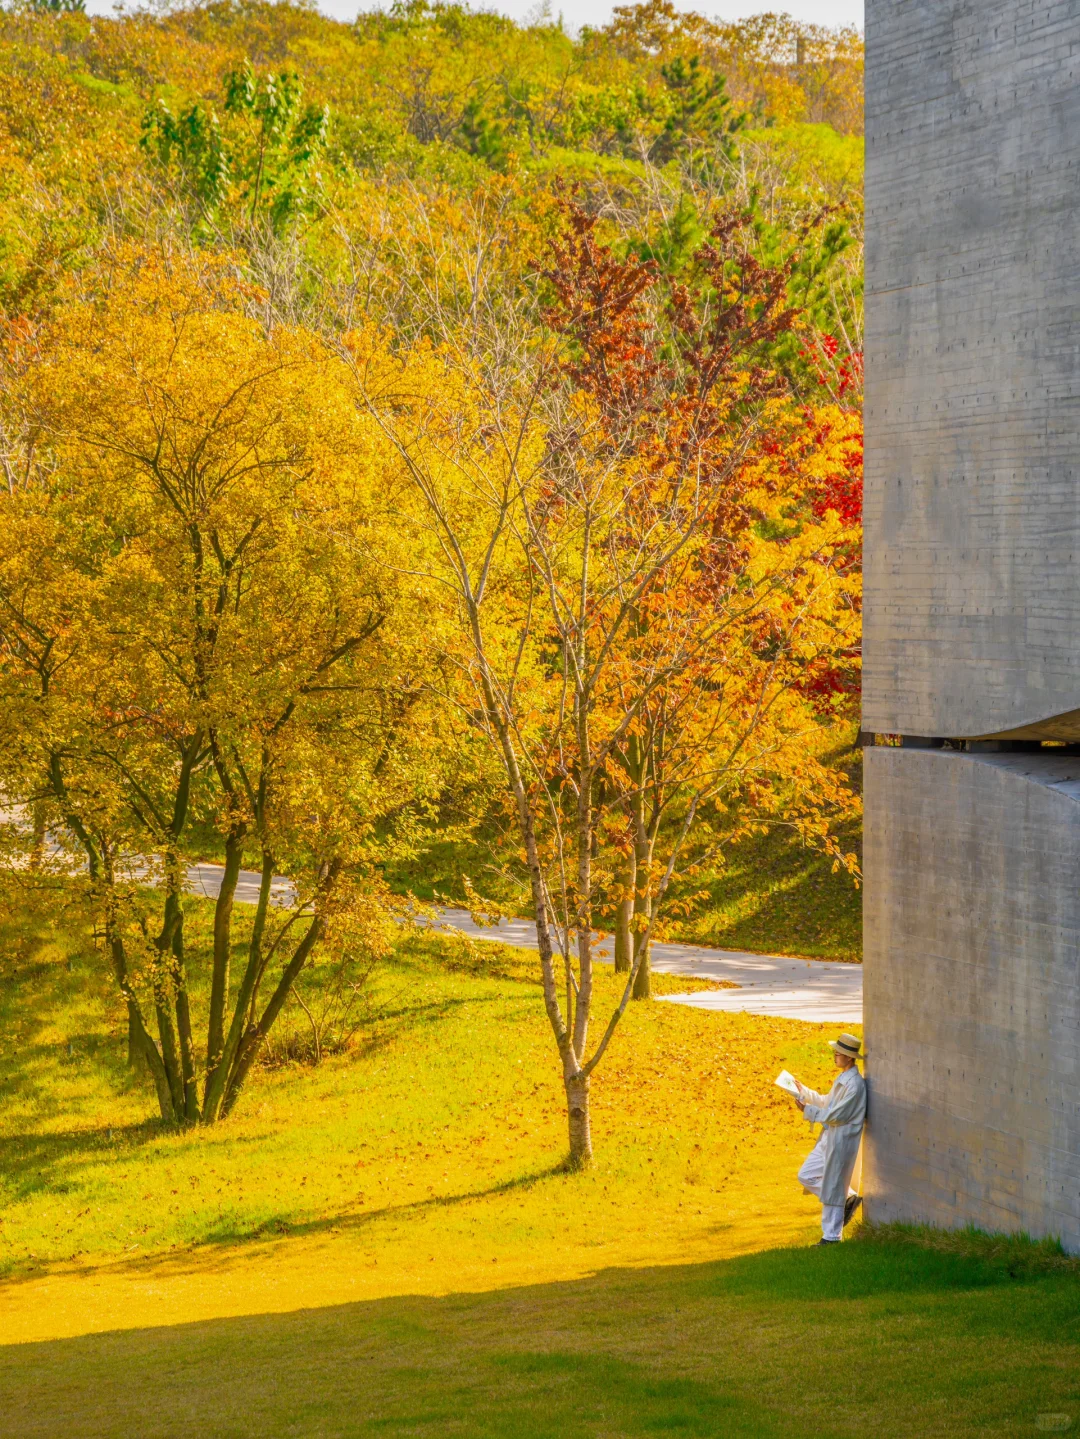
(451, 1089)
(868, 1339)
(387, 1244)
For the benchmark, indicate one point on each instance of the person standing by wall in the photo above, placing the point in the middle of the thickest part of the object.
(828, 1168)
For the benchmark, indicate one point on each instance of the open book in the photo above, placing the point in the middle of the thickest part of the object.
(789, 1083)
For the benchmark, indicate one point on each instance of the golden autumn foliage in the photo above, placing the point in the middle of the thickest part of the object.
(201, 612)
(427, 417)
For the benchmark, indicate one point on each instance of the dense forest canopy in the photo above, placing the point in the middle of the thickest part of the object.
(274, 111)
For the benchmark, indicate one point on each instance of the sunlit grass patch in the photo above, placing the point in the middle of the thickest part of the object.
(388, 1243)
(793, 1343)
(448, 1099)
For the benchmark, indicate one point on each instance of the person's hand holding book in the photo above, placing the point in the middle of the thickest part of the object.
(790, 1085)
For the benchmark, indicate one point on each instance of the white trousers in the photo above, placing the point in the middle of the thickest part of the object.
(810, 1177)
(832, 1221)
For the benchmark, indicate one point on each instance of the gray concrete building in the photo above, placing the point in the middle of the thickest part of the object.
(972, 644)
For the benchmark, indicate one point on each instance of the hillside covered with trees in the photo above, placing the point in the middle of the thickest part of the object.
(229, 120)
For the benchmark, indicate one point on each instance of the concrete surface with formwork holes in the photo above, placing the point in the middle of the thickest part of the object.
(972, 516)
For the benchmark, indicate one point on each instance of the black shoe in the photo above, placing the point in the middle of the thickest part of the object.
(851, 1204)
(825, 1241)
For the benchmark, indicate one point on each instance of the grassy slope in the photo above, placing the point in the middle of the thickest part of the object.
(385, 1245)
(776, 897)
(452, 1091)
(773, 895)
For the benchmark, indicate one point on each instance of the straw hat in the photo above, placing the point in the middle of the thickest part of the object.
(846, 1044)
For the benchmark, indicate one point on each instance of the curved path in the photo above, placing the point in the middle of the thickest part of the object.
(768, 984)
(811, 989)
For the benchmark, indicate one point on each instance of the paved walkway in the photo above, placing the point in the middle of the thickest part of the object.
(812, 989)
(205, 879)
(769, 984)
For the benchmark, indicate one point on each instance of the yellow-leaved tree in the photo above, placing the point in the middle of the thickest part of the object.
(202, 623)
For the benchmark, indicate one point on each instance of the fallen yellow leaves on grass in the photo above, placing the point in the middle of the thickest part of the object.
(427, 1161)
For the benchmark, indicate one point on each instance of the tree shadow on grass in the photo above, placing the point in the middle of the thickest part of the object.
(394, 1023)
(59, 1161)
(224, 1247)
(360, 1219)
(787, 1344)
(30, 1070)
(33, 1161)
(55, 1161)
(38, 998)
(778, 897)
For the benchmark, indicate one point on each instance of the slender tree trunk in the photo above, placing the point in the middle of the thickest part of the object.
(167, 995)
(642, 899)
(643, 978)
(579, 1029)
(246, 1056)
(217, 1075)
(134, 1049)
(161, 1063)
(137, 1037)
(624, 912)
(577, 1113)
(183, 1025)
(532, 849)
(170, 1057)
(575, 1083)
(256, 1035)
(219, 981)
(140, 1045)
(170, 983)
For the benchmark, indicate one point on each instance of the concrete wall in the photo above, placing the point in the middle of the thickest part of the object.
(973, 367)
(972, 990)
(972, 898)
